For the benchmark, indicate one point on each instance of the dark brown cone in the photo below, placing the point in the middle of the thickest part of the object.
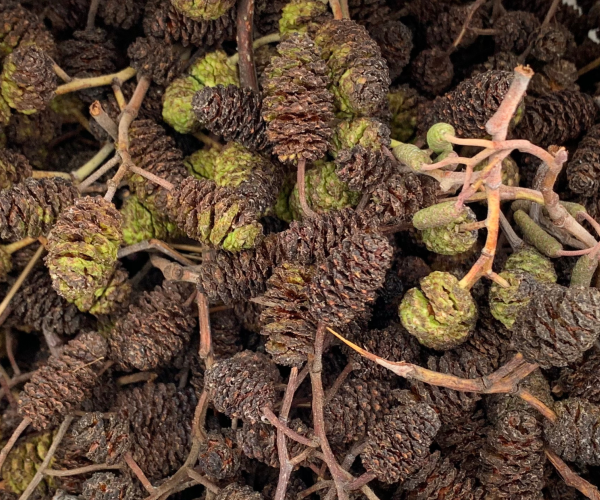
(362, 169)
(14, 168)
(235, 491)
(575, 436)
(155, 59)
(30, 81)
(393, 343)
(29, 134)
(552, 43)
(559, 74)
(259, 441)
(153, 150)
(121, 13)
(241, 386)
(398, 446)
(502, 61)
(219, 458)
(60, 386)
(452, 406)
(582, 381)
(347, 282)
(514, 29)
(448, 482)
(357, 406)
(583, 168)
(19, 25)
(160, 419)
(432, 71)
(558, 325)
(396, 43)
(399, 199)
(225, 329)
(99, 439)
(163, 21)
(470, 105)
(513, 459)
(556, 118)
(285, 320)
(298, 108)
(38, 307)
(233, 113)
(109, 486)
(156, 328)
(32, 207)
(448, 24)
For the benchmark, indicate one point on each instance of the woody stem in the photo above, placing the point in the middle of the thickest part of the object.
(97, 81)
(245, 21)
(572, 479)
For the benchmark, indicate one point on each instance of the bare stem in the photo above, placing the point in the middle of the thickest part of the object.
(5, 382)
(589, 67)
(99, 173)
(152, 177)
(338, 382)
(530, 399)
(106, 122)
(209, 141)
(301, 181)
(96, 81)
(10, 351)
(245, 22)
(471, 12)
(570, 478)
(136, 377)
(81, 470)
(257, 44)
(275, 422)
(91, 18)
(18, 245)
(13, 439)
(206, 345)
(154, 244)
(336, 8)
(86, 169)
(135, 468)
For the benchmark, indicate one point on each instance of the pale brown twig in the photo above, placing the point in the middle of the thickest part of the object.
(106, 122)
(91, 17)
(301, 182)
(332, 391)
(572, 479)
(4, 382)
(471, 12)
(82, 470)
(139, 473)
(91, 165)
(99, 173)
(154, 244)
(119, 97)
(16, 380)
(338, 13)
(136, 377)
(97, 81)
(277, 423)
(152, 177)
(10, 351)
(206, 345)
(13, 439)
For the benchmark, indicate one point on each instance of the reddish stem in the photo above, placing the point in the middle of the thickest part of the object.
(245, 21)
(301, 181)
(139, 473)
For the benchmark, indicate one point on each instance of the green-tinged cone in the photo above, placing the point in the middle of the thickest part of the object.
(437, 215)
(442, 314)
(282, 206)
(236, 164)
(203, 10)
(403, 103)
(142, 222)
(242, 238)
(215, 69)
(113, 296)
(201, 164)
(436, 137)
(451, 239)
(5, 264)
(411, 156)
(324, 191)
(14, 168)
(302, 16)
(4, 112)
(506, 303)
(177, 104)
(369, 133)
(531, 261)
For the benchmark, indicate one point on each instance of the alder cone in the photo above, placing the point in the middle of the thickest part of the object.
(398, 446)
(61, 386)
(233, 113)
(432, 71)
(156, 328)
(556, 118)
(235, 491)
(160, 421)
(121, 13)
(32, 207)
(153, 58)
(241, 386)
(583, 381)
(575, 436)
(99, 439)
(14, 168)
(297, 106)
(395, 40)
(37, 306)
(470, 105)
(109, 486)
(90, 52)
(21, 26)
(514, 29)
(363, 169)
(348, 280)
(445, 29)
(558, 325)
(163, 21)
(583, 168)
(513, 459)
(218, 458)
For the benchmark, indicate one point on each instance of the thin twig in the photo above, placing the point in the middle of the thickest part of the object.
(332, 391)
(206, 345)
(99, 173)
(16, 380)
(154, 244)
(209, 141)
(136, 377)
(91, 165)
(301, 182)
(18, 245)
(10, 351)
(13, 439)
(96, 81)
(338, 13)
(203, 480)
(5, 382)
(139, 473)
(534, 402)
(245, 22)
(82, 470)
(119, 97)
(106, 122)
(152, 177)
(570, 478)
(39, 475)
(275, 422)
(91, 18)
(471, 12)
(256, 44)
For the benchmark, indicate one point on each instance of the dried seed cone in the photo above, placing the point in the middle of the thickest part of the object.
(62, 385)
(14, 168)
(445, 30)
(235, 491)
(241, 386)
(143, 222)
(21, 26)
(32, 207)
(395, 41)
(514, 29)
(38, 307)
(82, 250)
(99, 439)
(121, 13)
(582, 168)
(28, 80)
(233, 113)
(347, 282)
(155, 329)
(442, 314)
(109, 486)
(398, 446)
(507, 303)
(160, 419)
(199, 10)
(432, 71)
(513, 458)
(297, 106)
(88, 53)
(363, 169)
(286, 320)
(470, 105)
(156, 60)
(163, 21)
(450, 239)
(552, 42)
(583, 381)
(556, 118)
(558, 325)
(218, 458)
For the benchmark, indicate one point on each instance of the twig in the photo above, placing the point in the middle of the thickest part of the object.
(257, 44)
(61, 73)
(276, 422)
(534, 402)
(332, 391)
(106, 122)
(301, 181)
(173, 271)
(16, 380)
(96, 81)
(39, 475)
(154, 244)
(4, 381)
(188, 248)
(139, 473)
(209, 141)
(18, 245)
(10, 351)
(118, 92)
(471, 12)
(338, 13)
(245, 21)
(589, 67)
(152, 177)
(91, 165)
(345, 9)
(136, 377)
(45, 174)
(203, 480)
(13, 439)
(22, 277)
(82, 470)
(91, 18)
(320, 485)
(99, 173)
(546, 22)
(206, 345)
(570, 478)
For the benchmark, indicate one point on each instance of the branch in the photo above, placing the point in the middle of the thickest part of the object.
(96, 81)
(102, 118)
(301, 181)
(245, 22)
(135, 468)
(91, 165)
(82, 470)
(570, 478)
